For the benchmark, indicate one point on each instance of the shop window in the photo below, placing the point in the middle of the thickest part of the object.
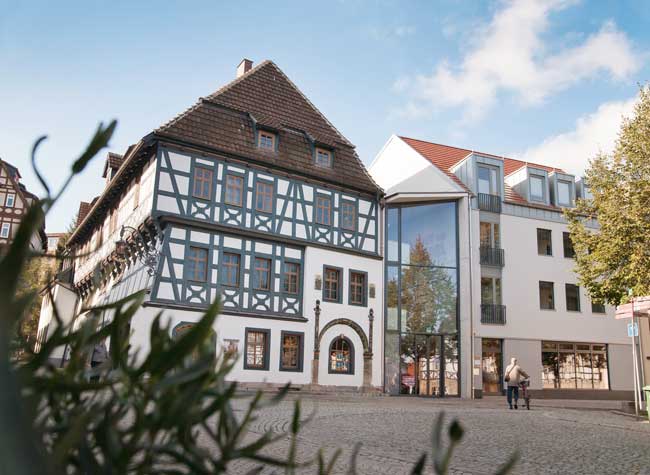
(574, 366)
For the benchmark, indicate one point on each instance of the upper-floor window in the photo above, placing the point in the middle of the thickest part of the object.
(597, 307)
(358, 287)
(4, 231)
(291, 278)
(332, 285)
(136, 192)
(487, 180)
(52, 242)
(323, 210)
(537, 187)
(546, 296)
(564, 193)
(264, 197)
(234, 190)
(490, 291)
(568, 245)
(202, 183)
(323, 158)
(11, 199)
(197, 264)
(544, 243)
(572, 297)
(230, 269)
(262, 276)
(266, 140)
(348, 215)
(490, 235)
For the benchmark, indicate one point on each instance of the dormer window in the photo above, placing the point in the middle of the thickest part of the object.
(564, 193)
(266, 140)
(323, 158)
(537, 186)
(487, 180)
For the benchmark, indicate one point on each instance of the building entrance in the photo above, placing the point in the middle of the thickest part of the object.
(492, 366)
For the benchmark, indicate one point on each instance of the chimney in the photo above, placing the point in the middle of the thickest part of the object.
(244, 67)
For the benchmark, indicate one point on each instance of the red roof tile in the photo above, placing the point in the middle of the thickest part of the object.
(443, 157)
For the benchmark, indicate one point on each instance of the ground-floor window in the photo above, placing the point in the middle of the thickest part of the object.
(341, 356)
(422, 364)
(574, 365)
(257, 349)
(492, 365)
(291, 351)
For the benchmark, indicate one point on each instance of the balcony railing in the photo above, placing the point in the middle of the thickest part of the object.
(492, 256)
(493, 314)
(488, 202)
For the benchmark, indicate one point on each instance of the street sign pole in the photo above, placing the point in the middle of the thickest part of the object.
(636, 384)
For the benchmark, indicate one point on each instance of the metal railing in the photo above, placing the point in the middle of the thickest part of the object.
(488, 202)
(492, 256)
(493, 314)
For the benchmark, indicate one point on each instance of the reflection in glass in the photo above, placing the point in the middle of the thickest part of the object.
(392, 294)
(601, 377)
(451, 366)
(567, 364)
(550, 372)
(420, 365)
(429, 299)
(392, 234)
(583, 370)
(492, 365)
(429, 234)
(392, 362)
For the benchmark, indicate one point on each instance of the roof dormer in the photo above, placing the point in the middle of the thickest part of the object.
(112, 165)
(563, 189)
(531, 183)
(582, 189)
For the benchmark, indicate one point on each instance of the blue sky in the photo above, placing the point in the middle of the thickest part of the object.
(542, 80)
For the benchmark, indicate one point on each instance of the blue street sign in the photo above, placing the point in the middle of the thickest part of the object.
(632, 329)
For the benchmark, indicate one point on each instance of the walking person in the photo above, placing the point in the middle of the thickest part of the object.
(513, 376)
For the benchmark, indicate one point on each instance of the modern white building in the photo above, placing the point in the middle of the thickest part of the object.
(477, 252)
(253, 195)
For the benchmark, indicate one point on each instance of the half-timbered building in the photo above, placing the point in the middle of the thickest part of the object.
(15, 199)
(253, 196)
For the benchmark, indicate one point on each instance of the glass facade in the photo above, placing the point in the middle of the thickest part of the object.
(421, 344)
(574, 366)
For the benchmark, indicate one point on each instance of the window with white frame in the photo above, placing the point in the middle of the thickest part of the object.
(266, 140)
(4, 231)
(323, 158)
(11, 199)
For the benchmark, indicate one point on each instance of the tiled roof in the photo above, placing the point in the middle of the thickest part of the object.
(266, 98)
(84, 207)
(446, 157)
(113, 161)
(443, 157)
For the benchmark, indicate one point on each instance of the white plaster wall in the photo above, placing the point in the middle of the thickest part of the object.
(65, 301)
(523, 270)
(232, 327)
(127, 216)
(621, 374)
(529, 357)
(396, 162)
(315, 259)
(465, 289)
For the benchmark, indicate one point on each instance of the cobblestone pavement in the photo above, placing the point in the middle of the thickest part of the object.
(395, 431)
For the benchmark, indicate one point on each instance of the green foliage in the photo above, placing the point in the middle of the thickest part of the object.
(613, 262)
(168, 412)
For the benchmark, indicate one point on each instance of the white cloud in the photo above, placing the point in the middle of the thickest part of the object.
(593, 133)
(399, 31)
(509, 55)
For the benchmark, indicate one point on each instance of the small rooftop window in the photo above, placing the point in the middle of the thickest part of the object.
(537, 185)
(323, 158)
(266, 140)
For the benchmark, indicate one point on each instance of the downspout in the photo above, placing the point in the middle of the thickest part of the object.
(471, 295)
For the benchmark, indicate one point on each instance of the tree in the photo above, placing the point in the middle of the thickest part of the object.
(613, 261)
